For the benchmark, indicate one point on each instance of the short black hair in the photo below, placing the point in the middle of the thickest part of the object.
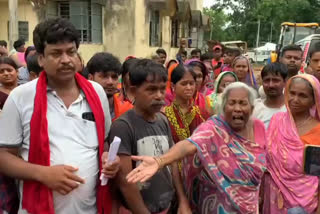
(53, 31)
(201, 66)
(206, 56)
(144, 68)
(183, 52)
(104, 62)
(161, 51)
(178, 73)
(8, 61)
(18, 43)
(3, 43)
(276, 68)
(29, 49)
(33, 65)
(195, 51)
(314, 49)
(291, 48)
(127, 66)
(234, 51)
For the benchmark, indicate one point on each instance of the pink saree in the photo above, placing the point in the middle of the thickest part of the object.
(225, 175)
(287, 186)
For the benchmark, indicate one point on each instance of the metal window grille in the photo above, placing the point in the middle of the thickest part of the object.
(86, 16)
(23, 29)
(154, 35)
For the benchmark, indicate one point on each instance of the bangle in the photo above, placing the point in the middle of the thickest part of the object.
(159, 162)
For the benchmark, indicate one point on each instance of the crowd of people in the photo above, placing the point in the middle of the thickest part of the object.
(198, 134)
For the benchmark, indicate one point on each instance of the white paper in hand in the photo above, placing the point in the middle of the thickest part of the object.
(113, 151)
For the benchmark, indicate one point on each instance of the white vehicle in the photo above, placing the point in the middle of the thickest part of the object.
(262, 54)
(307, 44)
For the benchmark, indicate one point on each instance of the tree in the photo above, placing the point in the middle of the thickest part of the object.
(218, 21)
(246, 13)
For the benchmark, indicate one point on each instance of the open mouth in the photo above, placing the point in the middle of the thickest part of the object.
(238, 118)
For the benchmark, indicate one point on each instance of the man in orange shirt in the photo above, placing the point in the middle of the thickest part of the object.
(217, 61)
(105, 69)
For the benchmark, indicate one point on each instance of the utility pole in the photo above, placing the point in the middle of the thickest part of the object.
(271, 32)
(258, 31)
(258, 34)
(13, 22)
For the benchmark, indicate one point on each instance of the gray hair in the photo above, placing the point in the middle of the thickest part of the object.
(237, 85)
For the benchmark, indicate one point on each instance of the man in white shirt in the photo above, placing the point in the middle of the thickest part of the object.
(273, 81)
(70, 122)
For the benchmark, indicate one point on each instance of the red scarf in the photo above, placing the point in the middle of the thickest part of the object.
(37, 198)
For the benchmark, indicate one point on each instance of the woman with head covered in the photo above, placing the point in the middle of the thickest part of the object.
(227, 158)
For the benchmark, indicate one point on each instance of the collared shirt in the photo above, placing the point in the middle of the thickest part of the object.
(265, 113)
(73, 140)
(23, 75)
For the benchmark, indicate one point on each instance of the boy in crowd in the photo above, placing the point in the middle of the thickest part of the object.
(145, 131)
(162, 56)
(314, 62)
(229, 55)
(33, 67)
(196, 54)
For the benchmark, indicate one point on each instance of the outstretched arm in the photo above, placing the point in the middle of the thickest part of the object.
(150, 165)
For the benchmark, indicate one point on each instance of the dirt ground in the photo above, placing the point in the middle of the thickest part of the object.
(257, 69)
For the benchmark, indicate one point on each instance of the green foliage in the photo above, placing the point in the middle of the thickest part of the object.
(242, 23)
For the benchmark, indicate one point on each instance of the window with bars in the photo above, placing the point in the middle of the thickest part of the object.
(85, 15)
(174, 33)
(23, 29)
(154, 32)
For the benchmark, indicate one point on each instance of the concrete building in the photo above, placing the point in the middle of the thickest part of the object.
(122, 27)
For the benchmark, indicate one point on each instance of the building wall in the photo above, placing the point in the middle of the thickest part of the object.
(125, 28)
(25, 13)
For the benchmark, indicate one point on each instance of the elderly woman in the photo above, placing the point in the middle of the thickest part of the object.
(287, 188)
(213, 101)
(226, 171)
(243, 69)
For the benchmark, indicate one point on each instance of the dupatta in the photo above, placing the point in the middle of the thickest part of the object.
(182, 125)
(250, 78)
(214, 99)
(226, 173)
(285, 157)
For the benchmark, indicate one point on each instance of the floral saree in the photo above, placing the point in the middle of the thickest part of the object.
(224, 176)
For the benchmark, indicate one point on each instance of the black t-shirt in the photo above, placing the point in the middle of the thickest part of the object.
(140, 137)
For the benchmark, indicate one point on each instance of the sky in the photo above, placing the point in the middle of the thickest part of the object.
(208, 3)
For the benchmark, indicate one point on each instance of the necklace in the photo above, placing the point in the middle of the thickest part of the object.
(304, 122)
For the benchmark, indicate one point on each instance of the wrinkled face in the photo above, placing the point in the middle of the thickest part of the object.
(293, 60)
(301, 97)
(228, 58)
(315, 65)
(225, 81)
(238, 110)
(162, 58)
(185, 88)
(273, 85)
(108, 80)
(8, 74)
(241, 69)
(149, 97)
(59, 61)
(199, 77)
